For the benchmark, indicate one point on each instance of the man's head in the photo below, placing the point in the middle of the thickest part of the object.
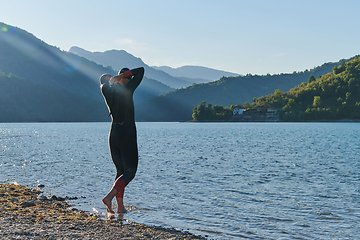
(123, 70)
(124, 80)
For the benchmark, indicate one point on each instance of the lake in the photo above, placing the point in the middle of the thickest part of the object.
(220, 180)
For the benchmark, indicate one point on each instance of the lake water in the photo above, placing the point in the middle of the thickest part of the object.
(221, 180)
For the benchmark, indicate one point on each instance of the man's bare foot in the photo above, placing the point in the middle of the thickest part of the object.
(107, 203)
(121, 210)
(107, 200)
(120, 204)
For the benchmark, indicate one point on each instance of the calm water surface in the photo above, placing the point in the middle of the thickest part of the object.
(221, 180)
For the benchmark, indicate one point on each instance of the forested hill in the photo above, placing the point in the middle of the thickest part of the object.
(333, 96)
(38, 79)
(178, 105)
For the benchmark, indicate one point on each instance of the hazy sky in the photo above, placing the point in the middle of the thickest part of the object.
(241, 36)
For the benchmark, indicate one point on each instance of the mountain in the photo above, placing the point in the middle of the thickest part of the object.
(174, 77)
(117, 59)
(42, 83)
(203, 74)
(178, 105)
(38, 72)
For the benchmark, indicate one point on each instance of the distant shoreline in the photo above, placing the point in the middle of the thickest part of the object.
(212, 121)
(280, 121)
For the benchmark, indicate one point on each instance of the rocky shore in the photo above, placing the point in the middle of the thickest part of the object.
(26, 214)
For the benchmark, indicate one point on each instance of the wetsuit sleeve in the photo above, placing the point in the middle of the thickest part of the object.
(138, 74)
(105, 88)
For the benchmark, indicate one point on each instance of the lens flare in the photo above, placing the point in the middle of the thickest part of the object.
(4, 28)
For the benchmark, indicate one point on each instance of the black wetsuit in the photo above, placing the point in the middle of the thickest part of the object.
(122, 137)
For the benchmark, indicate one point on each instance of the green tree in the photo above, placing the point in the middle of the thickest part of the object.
(219, 113)
(317, 101)
(311, 79)
(278, 93)
(199, 112)
(348, 96)
(247, 105)
(202, 112)
(339, 69)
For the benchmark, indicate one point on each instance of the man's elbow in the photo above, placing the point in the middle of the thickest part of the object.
(142, 71)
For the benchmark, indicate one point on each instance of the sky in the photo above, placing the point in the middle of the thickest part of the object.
(239, 36)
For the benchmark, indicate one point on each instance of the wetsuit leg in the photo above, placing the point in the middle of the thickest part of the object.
(129, 153)
(124, 152)
(116, 155)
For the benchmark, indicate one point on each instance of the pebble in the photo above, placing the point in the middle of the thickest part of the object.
(13, 199)
(27, 204)
(42, 197)
(71, 198)
(55, 198)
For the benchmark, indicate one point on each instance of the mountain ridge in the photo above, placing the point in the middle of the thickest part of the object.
(176, 78)
(117, 59)
(198, 72)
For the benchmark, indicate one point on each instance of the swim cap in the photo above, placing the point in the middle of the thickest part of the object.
(124, 70)
(128, 75)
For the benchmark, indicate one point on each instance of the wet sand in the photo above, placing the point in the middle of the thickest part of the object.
(26, 214)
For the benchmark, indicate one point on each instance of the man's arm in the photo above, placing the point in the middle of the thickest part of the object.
(138, 74)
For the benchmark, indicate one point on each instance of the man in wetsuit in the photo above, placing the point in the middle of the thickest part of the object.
(118, 93)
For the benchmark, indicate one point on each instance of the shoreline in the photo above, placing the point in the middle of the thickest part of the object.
(279, 121)
(25, 214)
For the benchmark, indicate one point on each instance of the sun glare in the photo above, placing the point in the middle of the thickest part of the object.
(49, 56)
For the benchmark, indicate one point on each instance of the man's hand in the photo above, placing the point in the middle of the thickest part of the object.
(107, 77)
(115, 79)
(119, 79)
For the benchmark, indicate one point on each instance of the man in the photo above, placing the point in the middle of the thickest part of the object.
(118, 93)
